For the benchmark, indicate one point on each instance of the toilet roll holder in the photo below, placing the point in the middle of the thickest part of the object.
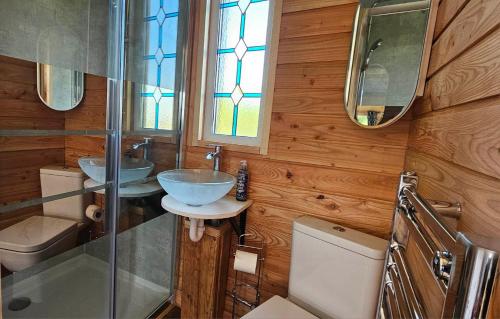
(241, 286)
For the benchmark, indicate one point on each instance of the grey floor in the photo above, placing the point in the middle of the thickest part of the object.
(78, 288)
(75, 284)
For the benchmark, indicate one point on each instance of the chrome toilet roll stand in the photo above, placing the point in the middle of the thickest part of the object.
(240, 286)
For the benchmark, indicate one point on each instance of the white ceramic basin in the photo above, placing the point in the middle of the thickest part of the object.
(131, 168)
(196, 187)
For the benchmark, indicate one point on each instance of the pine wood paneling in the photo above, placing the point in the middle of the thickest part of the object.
(472, 76)
(312, 101)
(319, 75)
(332, 127)
(467, 136)
(479, 194)
(319, 163)
(477, 19)
(22, 157)
(312, 177)
(448, 10)
(328, 47)
(427, 287)
(302, 5)
(79, 146)
(362, 157)
(453, 142)
(318, 21)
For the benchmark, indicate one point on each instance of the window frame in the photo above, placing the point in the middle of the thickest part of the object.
(207, 39)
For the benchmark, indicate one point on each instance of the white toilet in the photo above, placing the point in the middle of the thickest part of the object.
(40, 237)
(335, 272)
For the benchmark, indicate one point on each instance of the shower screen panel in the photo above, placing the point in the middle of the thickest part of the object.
(78, 188)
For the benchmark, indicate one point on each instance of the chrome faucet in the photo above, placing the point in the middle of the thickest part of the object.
(146, 145)
(216, 156)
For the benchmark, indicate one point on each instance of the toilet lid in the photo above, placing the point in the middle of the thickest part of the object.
(35, 233)
(278, 308)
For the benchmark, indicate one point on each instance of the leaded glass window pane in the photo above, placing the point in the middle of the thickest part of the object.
(242, 44)
(161, 22)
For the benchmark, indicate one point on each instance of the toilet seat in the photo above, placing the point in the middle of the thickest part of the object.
(35, 233)
(278, 308)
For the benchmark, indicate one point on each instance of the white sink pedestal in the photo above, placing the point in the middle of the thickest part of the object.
(226, 207)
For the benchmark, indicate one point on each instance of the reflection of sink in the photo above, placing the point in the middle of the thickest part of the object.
(196, 187)
(131, 168)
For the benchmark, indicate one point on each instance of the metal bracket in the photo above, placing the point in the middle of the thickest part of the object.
(239, 228)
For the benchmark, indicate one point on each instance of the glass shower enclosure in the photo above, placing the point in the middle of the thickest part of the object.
(82, 231)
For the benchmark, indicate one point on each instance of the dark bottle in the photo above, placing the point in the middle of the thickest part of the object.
(242, 182)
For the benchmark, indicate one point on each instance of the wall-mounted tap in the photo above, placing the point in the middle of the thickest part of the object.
(216, 155)
(146, 145)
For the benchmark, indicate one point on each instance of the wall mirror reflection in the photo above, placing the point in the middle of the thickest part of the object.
(389, 53)
(59, 88)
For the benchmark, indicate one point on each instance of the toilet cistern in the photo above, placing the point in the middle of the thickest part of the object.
(216, 155)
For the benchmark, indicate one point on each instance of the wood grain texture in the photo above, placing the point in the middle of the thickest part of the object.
(311, 177)
(467, 135)
(349, 156)
(312, 101)
(326, 20)
(479, 194)
(472, 76)
(448, 10)
(328, 47)
(319, 163)
(332, 127)
(476, 20)
(453, 142)
(22, 157)
(318, 75)
(203, 290)
(302, 5)
(428, 289)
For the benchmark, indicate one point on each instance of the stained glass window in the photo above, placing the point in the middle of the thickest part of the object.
(240, 59)
(161, 19)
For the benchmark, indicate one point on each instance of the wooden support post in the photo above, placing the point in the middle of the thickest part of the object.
(204, 272)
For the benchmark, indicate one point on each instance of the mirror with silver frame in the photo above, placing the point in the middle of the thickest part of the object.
(59, 88)
(389, 56)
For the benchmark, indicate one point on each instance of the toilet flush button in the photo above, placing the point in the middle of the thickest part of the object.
(338, 228)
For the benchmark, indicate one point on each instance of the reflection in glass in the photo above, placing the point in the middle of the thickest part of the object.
(391, 70)
(160, 52)
(59, 88)
(386, 59)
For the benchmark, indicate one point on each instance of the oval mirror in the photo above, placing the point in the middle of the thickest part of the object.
(388, 61)
(59, 88)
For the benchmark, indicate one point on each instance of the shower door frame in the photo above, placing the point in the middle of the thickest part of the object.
(115, 100)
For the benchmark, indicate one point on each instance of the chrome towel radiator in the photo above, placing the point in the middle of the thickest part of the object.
(466, 266)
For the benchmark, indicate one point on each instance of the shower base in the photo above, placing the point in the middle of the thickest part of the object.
(78, 288)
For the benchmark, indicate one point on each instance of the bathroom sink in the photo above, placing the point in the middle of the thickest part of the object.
(196, 187)
(131, 168)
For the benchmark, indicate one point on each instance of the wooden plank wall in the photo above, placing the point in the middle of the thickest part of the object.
(22, 157)
(319, 162)
(89, 115)
(454, 141)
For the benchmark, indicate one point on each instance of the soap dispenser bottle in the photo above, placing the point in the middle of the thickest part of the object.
(242, 182)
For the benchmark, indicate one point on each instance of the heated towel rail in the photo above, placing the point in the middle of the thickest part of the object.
(466, 266)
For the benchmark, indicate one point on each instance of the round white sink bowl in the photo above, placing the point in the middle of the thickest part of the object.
(196, 187)
(131, 169)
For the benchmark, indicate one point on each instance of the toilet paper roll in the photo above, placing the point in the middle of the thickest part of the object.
(94, 213)
(245, 261)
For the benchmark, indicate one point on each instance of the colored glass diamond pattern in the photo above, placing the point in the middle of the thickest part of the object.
(241, 50)
(150, 92)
